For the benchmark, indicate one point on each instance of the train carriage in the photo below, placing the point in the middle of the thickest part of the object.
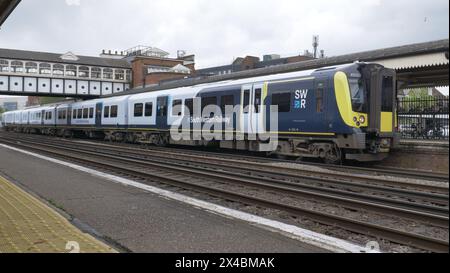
(332, 113)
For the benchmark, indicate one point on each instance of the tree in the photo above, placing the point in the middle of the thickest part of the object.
(2, 110)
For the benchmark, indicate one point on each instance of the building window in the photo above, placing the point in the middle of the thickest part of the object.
(114, 111)
(128, 75)
(58, 69)
(71, 71)
(17, 67)
(31, 68)
(96, 73)
(119, 75)
(138, 109)
(83, 72)
(149, 109)
(108, 73)
(45, 69)
(4, 66)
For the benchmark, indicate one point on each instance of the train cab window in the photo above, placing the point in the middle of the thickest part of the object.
(258, 98)
(176, 107)
(207, 102)
(79, 114)
(246, 103)
(85, 113)
(138, 110)
(91, 113)
(226, 101)
(189, 106)
(114, 111)
(319, 98)
(387, 95)
(149, 109)
(106, 112)
(283, 101)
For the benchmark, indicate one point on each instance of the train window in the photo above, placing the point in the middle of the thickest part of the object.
(64, 114)
(176, 107)
(226, 101)
(79, 114)
(59, 114)
(387, 95)
(283, 101)
(207, 102)
(106, 112)
(149, 109)
(189, 106)
(258, 98)
(85, 113)
(319, 99)
(91, 112)
(114, 111)
(74, 114)
(246, 103)
(138, 109)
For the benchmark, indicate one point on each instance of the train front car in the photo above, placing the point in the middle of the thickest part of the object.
(366, 102)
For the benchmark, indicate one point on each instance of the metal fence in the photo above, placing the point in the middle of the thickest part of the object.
(423, 118)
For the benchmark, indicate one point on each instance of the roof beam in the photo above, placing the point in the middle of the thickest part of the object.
(6, 8)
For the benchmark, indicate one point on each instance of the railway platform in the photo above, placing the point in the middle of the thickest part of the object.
(28, 225)
(427, 155)
(133, 220)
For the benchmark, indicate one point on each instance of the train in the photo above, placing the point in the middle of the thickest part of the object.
(344, 112)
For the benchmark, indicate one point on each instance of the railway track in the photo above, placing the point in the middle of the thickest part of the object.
(218, 182)
(242, 155)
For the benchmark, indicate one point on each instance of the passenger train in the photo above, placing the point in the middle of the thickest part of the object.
(333, 113)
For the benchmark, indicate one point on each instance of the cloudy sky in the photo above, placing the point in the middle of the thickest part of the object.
(219, 30)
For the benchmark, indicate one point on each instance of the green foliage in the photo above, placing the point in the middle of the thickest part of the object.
(2, 110)
(50, 100)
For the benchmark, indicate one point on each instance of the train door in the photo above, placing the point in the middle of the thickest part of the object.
(320, 113)
(98, 114)
(42, 117)
(246, 94)
(388, 102)
(256, 113)
(161, 112)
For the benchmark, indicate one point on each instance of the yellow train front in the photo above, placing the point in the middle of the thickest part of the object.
(338, 113)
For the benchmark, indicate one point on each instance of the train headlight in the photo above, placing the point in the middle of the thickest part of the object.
(355, 119)
(362, 119)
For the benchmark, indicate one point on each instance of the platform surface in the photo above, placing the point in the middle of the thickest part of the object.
(134, 220)
(28, 225)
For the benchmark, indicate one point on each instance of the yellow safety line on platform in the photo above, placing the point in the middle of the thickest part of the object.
(27, 225)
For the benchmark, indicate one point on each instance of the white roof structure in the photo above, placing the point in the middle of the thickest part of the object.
(179, 68)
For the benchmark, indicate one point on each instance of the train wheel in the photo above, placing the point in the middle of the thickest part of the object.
(334, 156)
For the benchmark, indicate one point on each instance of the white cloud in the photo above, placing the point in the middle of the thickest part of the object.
(216, 31)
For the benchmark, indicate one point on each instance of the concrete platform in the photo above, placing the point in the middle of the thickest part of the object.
(425, 155)
(138, 221)
(28, 225)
